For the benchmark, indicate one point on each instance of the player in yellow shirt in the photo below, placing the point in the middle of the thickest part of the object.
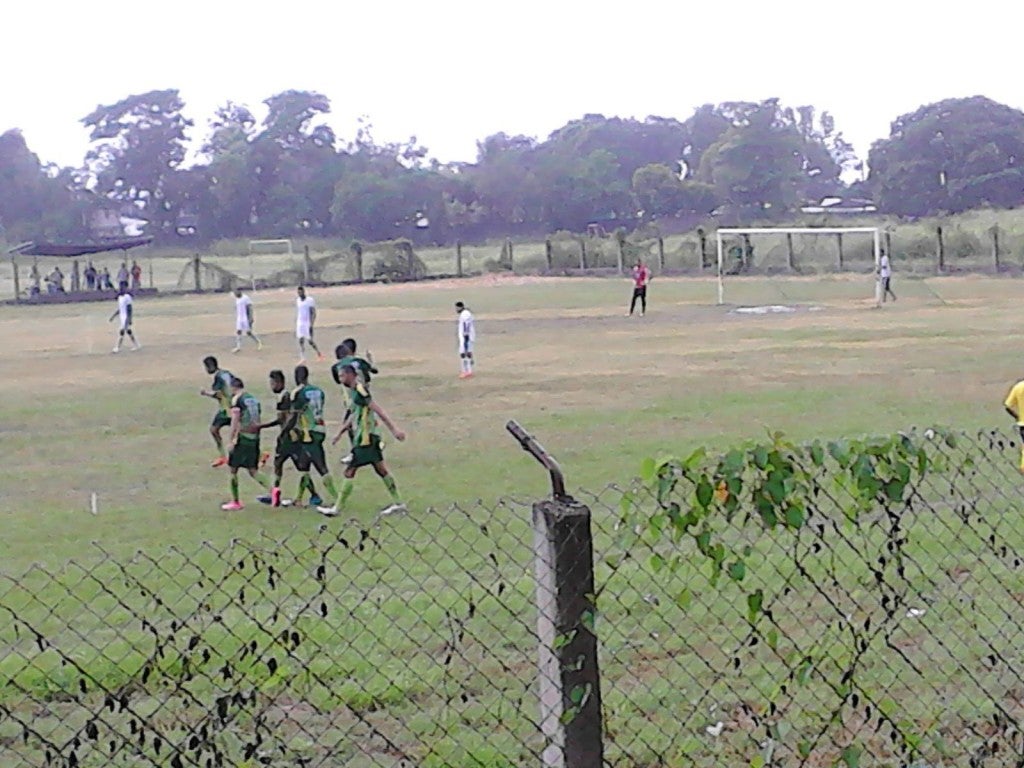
(1014, 404)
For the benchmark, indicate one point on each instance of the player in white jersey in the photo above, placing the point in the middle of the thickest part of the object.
(305, 317)
(885, 274)
(243, 320)
(467, 336)
(124, 311)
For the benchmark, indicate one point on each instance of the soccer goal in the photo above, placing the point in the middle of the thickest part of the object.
(742, 257)
(270, 248)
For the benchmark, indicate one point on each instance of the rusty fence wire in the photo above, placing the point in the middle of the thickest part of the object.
(889, 636)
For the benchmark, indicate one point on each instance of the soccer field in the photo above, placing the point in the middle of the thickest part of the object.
(600, 390)
(183, 624)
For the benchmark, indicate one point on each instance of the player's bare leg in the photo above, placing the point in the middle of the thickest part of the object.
(222, 458)
(319, 354)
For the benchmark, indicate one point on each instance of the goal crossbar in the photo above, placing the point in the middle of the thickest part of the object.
(282, 241)
(726, 231)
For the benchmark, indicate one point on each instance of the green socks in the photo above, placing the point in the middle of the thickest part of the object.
(331, 488)
(234, 488)
(389, 483)
(346, 491)
(304, 484)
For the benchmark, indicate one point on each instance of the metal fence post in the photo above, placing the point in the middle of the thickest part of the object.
(569, 678)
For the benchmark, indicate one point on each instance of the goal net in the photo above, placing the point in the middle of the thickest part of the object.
(763, 264)
(268, 257)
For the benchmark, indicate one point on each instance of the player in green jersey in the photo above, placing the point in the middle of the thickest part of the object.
(366, 449)
(244, 443)
(346, 355)
(289, 448)
(308, 421)
(220, 391)
(365, 370)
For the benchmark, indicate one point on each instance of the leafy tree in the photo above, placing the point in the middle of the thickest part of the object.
(950, 156)
(138, 143)
(384, 189)
(296, 162)
(578, 190)
(699, 197)
(632, 143)
(774, 158)
(700, 132)
(231, 175)
(36, 201)
(506, 183)
(657, 190)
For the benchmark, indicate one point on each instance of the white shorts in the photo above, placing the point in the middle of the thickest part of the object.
(465, 347)
(242, 326)
(303, 332)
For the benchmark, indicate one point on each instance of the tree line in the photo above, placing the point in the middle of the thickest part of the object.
(289, 174)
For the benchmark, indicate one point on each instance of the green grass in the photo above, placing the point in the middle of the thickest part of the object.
(399, 646)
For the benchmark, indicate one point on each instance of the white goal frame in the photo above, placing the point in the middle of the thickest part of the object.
(875, 232)
(291, 254)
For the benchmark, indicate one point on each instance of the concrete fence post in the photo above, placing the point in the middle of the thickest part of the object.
(357, 251)
(569, 683)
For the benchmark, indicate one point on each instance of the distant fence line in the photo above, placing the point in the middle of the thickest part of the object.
(915, 249)
(849, 602)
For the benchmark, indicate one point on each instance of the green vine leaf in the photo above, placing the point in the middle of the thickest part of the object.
(755, 601)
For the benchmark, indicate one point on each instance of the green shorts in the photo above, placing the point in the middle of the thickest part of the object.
(315, 452)
(289, 449)
(245, 455)
(364, 455)
(221, 419)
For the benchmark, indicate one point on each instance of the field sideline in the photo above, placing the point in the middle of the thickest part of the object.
(600, 390)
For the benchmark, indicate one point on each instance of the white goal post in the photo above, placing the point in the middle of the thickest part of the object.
(284, 242)
(873, 231)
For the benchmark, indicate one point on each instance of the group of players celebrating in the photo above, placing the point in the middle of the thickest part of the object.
(302, 433)
(300, 412)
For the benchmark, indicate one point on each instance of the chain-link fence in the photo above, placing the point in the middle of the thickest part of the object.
(843, 603)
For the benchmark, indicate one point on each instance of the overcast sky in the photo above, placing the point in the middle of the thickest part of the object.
(454, 72)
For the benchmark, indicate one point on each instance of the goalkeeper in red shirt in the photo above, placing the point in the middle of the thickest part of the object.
(641, 277)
